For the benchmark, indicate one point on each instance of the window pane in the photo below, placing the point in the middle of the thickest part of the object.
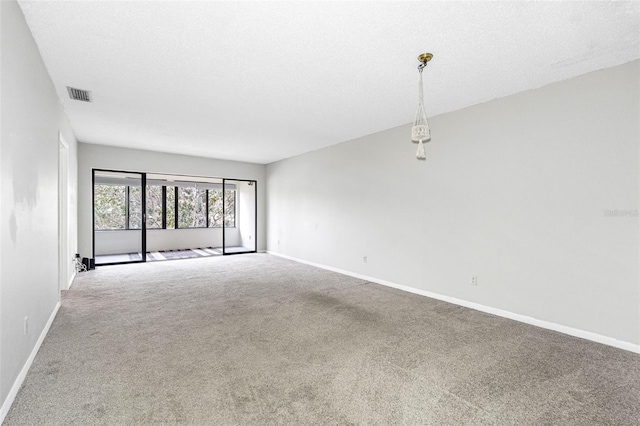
(191, 208)
(215, 208)
(110, 208)
(171, 205)
(135, 207)
(154, 207)
(230, 209)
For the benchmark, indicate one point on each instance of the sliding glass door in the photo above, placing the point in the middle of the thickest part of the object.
(139, 217)
(118, 217)
(239, 212)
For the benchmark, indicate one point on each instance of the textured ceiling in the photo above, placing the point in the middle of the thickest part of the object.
(262, 81)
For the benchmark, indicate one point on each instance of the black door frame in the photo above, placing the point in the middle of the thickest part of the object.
(143, 225)
(255, 217)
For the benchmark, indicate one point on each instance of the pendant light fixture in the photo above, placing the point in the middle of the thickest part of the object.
(420, 131)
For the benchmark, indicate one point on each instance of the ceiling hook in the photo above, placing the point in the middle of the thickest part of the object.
(424, 58)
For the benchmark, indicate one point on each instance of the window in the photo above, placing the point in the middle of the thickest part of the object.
(154, 207)
(192, 207)
(171, 207)
(215, 208)
(117, 207)
(135, 207)
(110, 207)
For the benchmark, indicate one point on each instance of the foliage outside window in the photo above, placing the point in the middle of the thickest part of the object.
(215, 208)
(171, 207)
(154, 207)
(192, 207)
(119, 207)
(135, 207)
(110, 207)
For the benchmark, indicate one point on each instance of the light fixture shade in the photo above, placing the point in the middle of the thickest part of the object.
(420, 131)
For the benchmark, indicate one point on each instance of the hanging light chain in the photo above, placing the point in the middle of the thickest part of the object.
(420, 89)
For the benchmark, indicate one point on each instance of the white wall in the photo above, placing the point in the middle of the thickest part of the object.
(31, 118)
(515, 191)
(129, 241)
(92, 156)
(175, 239)
(245, 216)
(118, 242)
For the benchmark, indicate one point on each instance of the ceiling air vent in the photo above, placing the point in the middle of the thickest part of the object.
(79, 94)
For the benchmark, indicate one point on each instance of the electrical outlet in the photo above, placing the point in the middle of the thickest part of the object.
(26, 325)
(473, 280)
(364, 259)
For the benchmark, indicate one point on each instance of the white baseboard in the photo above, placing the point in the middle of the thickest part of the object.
(73, 277)
(632, 347)
(6, 405)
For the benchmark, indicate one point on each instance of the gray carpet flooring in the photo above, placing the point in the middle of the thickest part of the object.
(255, 339)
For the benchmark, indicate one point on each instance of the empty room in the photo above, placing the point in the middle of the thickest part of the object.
(319, 212)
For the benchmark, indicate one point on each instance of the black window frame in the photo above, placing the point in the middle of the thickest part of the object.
(176, 200)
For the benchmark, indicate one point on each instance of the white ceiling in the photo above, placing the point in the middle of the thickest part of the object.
(262, 81)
